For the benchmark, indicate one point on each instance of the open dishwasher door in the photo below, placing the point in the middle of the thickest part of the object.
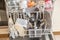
(29, 19)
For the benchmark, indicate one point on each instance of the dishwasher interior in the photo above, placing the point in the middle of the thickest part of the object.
(29, 19)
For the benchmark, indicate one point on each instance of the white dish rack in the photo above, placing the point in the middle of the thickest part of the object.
(14, 11)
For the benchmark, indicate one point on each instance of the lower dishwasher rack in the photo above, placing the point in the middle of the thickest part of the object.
(44, 37)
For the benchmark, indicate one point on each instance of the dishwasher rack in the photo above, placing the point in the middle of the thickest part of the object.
(37, 17)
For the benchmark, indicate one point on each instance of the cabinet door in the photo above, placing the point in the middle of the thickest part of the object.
(2, 4)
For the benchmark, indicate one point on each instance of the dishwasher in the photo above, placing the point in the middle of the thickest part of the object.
(30, 19)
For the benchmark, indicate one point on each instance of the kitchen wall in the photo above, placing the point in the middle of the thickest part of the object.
(56, 16)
